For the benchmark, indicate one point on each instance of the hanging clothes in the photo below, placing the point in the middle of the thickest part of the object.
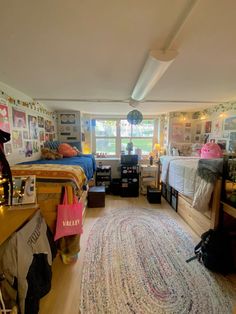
(28, 250)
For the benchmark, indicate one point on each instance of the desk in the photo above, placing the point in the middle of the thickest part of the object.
(11, 220)
(149, 175)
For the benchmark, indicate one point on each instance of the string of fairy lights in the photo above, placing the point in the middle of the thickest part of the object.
(36, 106)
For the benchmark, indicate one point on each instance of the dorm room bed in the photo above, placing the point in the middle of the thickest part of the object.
(54, 175)
(198, 199)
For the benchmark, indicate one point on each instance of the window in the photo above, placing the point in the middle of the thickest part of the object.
(105, 133)
(141, 135)
(112, 136)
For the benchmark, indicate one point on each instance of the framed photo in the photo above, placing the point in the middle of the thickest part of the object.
(208, 127)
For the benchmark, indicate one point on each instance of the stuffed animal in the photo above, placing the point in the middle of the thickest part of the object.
(211, 150)
(67, 150)
(49, 154)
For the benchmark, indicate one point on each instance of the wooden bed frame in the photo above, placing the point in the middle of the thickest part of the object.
(198, 221)
(49, 195)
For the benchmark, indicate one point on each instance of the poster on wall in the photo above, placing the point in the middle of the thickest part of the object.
(230, 123)
(208, 127)
(48, 124)
(187, 137)
(40, 122)
(41, 136)
(33, 127)
(19, 118)
(17, 139)
(177, 132)
(28, 149)
(25, 135)
(197, 138)
(35, 147)
(198, 128)
(67, 118)
(4, 118)
(217, 128)
(8, 148)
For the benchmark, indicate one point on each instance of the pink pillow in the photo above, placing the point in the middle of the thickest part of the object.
(211, 150)
(66, 150)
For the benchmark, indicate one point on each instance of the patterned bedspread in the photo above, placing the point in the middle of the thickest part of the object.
(49, 172)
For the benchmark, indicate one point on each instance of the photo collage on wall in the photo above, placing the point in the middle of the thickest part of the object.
(222, 132)
(27, 130)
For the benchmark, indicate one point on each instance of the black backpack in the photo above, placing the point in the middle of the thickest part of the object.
(214, 251)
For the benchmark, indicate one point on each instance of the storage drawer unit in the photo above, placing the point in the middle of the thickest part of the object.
(170, 194)
(103, 177)
(129, 181)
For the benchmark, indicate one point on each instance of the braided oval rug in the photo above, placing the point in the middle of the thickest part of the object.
(135, 263)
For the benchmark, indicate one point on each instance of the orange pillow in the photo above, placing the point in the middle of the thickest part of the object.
(66, 150)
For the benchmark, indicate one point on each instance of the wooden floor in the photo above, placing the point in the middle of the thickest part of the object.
(64, 297)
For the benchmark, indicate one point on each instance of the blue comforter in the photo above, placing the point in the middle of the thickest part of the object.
(85, 161)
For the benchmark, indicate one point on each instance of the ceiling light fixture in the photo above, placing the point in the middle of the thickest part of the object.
(156, 64)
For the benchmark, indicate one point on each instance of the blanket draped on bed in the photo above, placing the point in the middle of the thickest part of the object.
(210, 169)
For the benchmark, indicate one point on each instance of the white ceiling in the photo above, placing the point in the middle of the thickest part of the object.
(89, 53)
